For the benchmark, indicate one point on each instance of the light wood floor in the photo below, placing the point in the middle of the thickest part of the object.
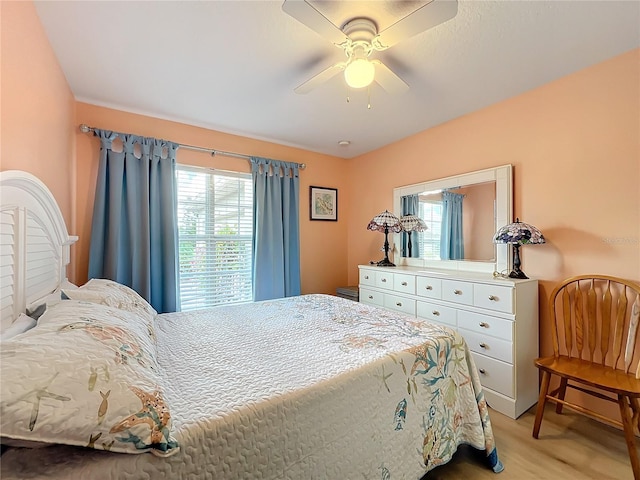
(570, 446)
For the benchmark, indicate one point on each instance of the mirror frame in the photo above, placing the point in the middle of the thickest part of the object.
(503, 177)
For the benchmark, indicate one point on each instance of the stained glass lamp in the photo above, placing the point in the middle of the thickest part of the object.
(518, 233)
(385, 222)
(412, 223)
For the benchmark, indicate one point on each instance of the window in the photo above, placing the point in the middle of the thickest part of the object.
(431, 213)
(215, 226)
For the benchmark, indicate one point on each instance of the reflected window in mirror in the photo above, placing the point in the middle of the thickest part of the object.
(431, 213)
(457, 218)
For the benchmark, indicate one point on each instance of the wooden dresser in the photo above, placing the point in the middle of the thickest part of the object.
(498, 317)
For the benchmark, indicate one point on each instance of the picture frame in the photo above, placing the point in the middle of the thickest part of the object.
(323, 203)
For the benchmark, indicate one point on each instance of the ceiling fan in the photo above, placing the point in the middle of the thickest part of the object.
(359, 38)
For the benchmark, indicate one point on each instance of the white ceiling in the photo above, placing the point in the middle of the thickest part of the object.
(232, 66)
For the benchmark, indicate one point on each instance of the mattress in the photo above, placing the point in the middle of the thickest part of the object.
(313, 387)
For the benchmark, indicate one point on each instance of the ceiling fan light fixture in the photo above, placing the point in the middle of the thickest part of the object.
(359, 73)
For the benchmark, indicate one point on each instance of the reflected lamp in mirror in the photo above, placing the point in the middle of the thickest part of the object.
(412, 223)
(385, 222)
(518, 233)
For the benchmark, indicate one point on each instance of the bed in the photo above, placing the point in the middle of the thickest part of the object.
(313, 386)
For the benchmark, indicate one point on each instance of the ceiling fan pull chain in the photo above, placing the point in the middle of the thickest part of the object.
(369, 97)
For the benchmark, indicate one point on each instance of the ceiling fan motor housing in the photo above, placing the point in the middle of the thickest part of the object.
(360, 29)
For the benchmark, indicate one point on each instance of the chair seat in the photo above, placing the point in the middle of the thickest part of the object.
(593, 374)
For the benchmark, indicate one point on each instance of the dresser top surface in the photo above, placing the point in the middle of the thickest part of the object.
(450, 274)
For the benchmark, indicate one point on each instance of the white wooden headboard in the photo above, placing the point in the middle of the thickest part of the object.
(34, 244)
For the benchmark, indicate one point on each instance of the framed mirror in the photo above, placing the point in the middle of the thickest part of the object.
(461, 213)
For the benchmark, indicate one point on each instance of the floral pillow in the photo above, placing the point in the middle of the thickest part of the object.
(113, 294)
(87, 375)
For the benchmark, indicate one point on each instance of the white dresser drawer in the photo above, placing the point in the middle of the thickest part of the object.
(384, 280)
(458, 292)
(437, 313)
(367, 277)
(404, 283)
(495, 374)
(371, 297)
(429, 287)
(400, 304)
(490, 346)
(493, 297)
(486, 324)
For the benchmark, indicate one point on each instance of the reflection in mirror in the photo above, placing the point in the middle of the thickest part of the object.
(462, 214)
(456, 219)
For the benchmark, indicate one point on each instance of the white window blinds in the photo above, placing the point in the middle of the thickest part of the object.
(431, 213)
(215, 223)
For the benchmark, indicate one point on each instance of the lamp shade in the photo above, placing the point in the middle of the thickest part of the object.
(413, 223)
(519, 233)
(385, 220)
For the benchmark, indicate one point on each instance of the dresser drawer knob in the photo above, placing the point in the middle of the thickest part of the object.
(384, 280)
(483, 345)
(482, 371)
(493, 298)
(436, 313)
(458, 292)
(371, 297)
(366, 277)
(484, 324)
(429, 287)
(404, 284)
(398, 304)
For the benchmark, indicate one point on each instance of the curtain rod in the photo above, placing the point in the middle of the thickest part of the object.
(84, 128)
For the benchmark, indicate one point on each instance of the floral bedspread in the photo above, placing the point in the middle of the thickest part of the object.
(314, 387)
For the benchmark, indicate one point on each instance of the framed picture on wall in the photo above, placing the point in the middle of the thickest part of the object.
(323, 203)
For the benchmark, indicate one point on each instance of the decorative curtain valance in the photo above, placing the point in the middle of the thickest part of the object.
(276, 230)
(134, 234)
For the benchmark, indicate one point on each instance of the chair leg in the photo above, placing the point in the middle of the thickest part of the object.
(635, 406)
(542, 399)
(629, 436)
(561, 392)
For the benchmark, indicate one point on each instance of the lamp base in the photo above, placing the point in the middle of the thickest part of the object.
(517, 274)
(385, 262)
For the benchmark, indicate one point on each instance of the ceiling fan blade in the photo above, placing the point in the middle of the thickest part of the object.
(388, 80)
(428, 16)
(306, 14)
(320, 78)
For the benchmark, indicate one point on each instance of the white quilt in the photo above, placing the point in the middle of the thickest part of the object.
(310, 387)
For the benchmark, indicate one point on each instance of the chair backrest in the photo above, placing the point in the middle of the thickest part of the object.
(595, 318)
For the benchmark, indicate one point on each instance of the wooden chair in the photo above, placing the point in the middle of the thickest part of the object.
(594, 320)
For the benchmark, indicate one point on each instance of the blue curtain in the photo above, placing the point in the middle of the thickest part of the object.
(134, 232)
(451, 241)
(276, 229)
(410, 205)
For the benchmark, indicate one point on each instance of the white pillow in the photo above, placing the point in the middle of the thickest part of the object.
(20, 325)
(113, 294)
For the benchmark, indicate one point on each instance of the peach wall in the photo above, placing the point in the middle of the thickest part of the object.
(323, 256)
(575, 147)
(37, 107)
